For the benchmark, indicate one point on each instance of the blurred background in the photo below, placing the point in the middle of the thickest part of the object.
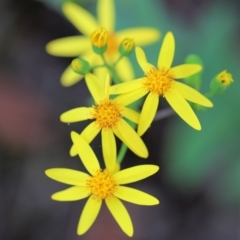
(198, 184)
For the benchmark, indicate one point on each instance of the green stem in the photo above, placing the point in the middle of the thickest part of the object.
(122, 153)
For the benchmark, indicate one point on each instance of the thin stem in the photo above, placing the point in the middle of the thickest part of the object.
(122, 153)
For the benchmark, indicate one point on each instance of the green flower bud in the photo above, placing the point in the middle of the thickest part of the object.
(99, 39)
(221, 82)
(126, 47)
(80, 66)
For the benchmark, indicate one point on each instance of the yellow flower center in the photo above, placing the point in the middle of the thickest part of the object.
(112, 44)
(159, 81)
(102, 184)
(107, 113)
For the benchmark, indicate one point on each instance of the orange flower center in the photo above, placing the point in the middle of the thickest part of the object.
(112, 44)
(107, 113)
(102, 184)
(159, 81)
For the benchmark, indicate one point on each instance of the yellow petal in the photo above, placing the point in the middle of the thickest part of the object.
(85, 153)
(136, 173)
(166, 53)
(131, 139)
(94, 86)
(192, 95)
(148, 113)
(101, 74)
(109, 149)
(185, 70)
(124, 70)
(127, 86)
(89, 215)
(80, 18)
(128, 98)
(68, 46)
(120, 214)
(131, 114)
(71, 194)
(142, 60)
(68, 176)
(69, 77)
(76, 115)
(182, 108)
(106, 14)
(89, 133)
(135, 196)
(142, 35)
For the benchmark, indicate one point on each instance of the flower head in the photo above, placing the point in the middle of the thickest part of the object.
(160, 81)
(80, 45)
(99, 39)
(101, 185)
(108, 118)
(224, 78)
(126, 47)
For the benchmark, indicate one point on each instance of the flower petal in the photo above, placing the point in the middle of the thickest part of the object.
(89, 215)
(135, 196)
(148, 112)
(141, 35)
(76, 115)
(85, 153)
(136, 173)
(69, 77)
(124, 70)
(185, 70)
(94, 87)
(131, 114)
(89, 133)
(101, 74)
(68, 46)
(68, 176)
(182, 108)
(166, 53)
(192, 95)
(106, 14)
(71, 194)
(128, 98)
(127, 86)
(120, 214)
(109, 149)
(131, 139)
(80, 18)
(142, 60)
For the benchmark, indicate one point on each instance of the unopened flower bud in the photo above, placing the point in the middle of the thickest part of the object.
(221, 82)
(126, 47)
(99, 40)
(80, 66)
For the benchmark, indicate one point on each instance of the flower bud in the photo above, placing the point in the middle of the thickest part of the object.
(80, 66)
(99, 39)
(126, 47)
(221, 82)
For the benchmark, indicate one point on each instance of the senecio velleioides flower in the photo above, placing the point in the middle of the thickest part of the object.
(86, 23)
(101, 185)
(108, 118)
(160, 82)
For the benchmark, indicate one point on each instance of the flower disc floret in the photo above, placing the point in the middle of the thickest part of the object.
(102, 185)
(159, 81)
(107, 113)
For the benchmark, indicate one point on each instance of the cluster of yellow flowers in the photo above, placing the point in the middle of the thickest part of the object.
(101, 56)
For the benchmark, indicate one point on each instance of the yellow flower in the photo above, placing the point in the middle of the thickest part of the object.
(159, 81)
(224, 78)
(108, 115)
(101, 185)
(80, 45)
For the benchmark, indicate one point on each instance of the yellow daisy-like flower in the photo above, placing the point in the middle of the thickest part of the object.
(159, 81)
(101, 185)
(108, 115)
(81, 45)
